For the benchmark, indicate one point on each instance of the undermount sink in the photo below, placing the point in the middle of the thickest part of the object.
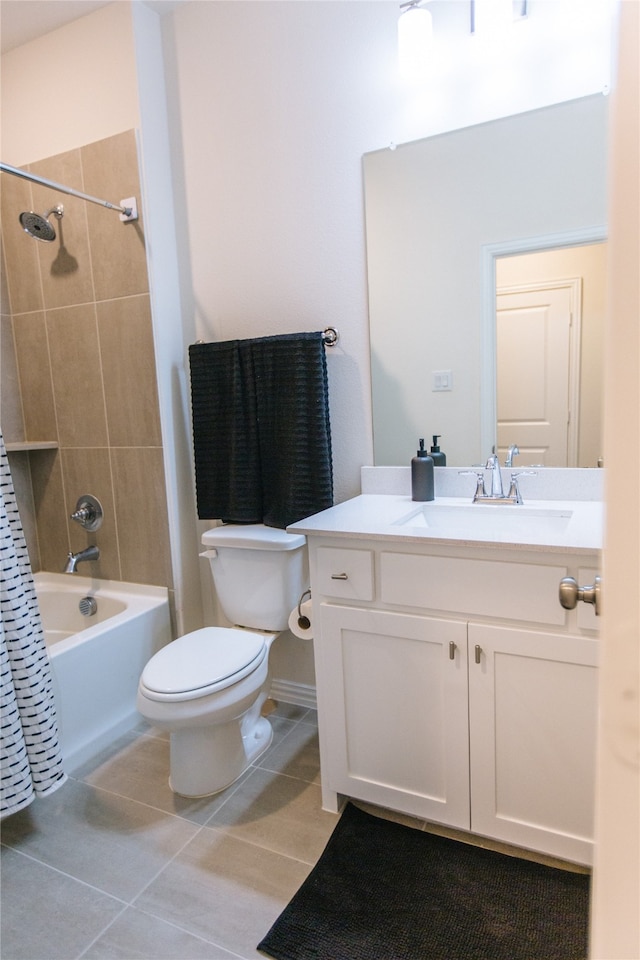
(493, 518)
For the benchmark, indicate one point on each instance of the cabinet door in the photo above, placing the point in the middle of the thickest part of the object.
(532, 723)
(394, 711)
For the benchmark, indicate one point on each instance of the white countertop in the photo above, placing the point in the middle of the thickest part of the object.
(574, 526)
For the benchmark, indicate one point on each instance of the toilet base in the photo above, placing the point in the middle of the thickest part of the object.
(206, 760)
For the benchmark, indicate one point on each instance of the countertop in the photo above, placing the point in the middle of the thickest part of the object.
(551, 526)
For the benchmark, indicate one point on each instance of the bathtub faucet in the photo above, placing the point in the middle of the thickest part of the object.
(91, 553)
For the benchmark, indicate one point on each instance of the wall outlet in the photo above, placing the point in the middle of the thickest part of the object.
(442, 380)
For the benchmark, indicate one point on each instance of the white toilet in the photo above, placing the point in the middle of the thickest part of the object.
(208, 687)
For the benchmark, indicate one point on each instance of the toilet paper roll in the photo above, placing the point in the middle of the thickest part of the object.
(294, 616)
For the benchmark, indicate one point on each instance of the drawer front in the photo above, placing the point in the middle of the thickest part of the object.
(514, 591)
(347, 574)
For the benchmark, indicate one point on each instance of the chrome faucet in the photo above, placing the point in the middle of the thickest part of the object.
(512, 452)
(497, 494)
(90, 553)
(493, 464)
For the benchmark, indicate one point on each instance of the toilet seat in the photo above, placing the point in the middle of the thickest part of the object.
(202, 662)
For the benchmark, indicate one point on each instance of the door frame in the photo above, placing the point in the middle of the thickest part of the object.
(489, 253)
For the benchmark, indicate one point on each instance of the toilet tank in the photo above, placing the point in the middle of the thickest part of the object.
(259, 573)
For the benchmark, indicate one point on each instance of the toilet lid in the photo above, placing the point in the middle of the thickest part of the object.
(203, 659)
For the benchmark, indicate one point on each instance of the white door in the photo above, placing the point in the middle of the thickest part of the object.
(615, 930)
(537, 358)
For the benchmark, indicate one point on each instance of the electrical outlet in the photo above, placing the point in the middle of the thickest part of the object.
(442, 380)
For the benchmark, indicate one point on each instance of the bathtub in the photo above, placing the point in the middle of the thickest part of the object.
(96, 659)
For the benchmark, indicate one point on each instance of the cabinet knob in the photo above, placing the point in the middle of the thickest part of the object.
(339, 576)
(478, 653)
(569, 594)
(452, 650)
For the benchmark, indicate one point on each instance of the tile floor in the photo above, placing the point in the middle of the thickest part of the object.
(113, 866)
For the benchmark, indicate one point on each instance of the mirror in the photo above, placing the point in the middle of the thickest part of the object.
(441, 214)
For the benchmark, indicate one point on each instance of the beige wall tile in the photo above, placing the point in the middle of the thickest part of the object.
(5, 306)
(76, 376)
(86, 367)
(118, 253)
(32, 354)
(11, 419)
(129, 372)
(88, 470)
(21, 476)
(65, 264)
(140, 498)
(48, 497)
(21, 254)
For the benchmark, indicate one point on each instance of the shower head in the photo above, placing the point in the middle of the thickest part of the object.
(39, 227)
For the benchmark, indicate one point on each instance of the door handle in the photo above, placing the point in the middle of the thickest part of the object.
(570, 593)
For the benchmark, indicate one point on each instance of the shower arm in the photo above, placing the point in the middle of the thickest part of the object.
(128, 209)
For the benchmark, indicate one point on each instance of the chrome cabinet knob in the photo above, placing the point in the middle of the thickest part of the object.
(570, 593)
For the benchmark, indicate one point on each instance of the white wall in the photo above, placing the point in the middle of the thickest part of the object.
(275, 103)
(70, 87)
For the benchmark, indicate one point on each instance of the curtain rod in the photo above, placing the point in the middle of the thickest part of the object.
(128, 208)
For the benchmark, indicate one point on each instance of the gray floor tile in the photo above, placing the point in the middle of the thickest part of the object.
(225, 890)
(139, 936)
(290, 711)
(47, 915)
(280, 813)
(297, 755)
(105, 840)
(140, 771)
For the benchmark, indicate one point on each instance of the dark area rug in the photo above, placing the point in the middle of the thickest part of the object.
(385, 891)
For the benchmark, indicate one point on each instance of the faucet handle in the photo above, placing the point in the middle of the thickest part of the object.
(480, 490)
(514, 489)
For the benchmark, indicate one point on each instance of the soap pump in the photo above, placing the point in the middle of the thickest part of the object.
(422, 484)
(439, 458)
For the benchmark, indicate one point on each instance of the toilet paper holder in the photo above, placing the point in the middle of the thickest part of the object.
(303, 622)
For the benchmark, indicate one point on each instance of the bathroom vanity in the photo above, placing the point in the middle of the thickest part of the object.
(451, 683)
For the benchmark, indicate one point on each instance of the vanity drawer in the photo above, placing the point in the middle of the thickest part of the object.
(490, 588)
(344, 573)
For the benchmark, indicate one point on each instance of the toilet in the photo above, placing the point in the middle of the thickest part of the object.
(207, 688)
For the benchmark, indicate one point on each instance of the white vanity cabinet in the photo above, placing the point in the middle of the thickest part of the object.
(453, 686)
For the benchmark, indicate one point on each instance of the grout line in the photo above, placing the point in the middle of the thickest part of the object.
(63, 873)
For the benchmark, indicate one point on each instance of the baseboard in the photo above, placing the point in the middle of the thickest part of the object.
(302, 694)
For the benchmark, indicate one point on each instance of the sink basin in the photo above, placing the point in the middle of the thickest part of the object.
(495, 519)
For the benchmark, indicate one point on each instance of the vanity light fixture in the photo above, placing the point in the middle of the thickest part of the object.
(415, 36)
(491, 15)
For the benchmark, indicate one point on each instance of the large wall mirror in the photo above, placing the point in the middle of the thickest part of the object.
(475, 240)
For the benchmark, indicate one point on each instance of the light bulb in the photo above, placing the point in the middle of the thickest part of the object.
(415, 34)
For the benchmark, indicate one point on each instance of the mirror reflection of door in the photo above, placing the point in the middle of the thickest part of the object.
(549, 316)
(537, 344)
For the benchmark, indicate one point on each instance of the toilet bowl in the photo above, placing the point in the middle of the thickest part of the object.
(207, 688)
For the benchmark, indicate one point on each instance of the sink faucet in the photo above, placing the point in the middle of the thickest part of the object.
(90, 553)
(493, 464)
(511, 453)
(497, 494)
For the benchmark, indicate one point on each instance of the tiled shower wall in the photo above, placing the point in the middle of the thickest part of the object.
(78, 368)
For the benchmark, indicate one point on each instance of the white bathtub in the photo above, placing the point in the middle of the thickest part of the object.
(97, 660)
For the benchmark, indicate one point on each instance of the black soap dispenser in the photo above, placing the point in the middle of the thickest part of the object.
(438, 457)
(422, 485)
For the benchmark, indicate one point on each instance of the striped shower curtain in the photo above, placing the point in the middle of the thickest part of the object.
(30, 758)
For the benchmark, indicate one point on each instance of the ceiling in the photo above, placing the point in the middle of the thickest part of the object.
(24, 20)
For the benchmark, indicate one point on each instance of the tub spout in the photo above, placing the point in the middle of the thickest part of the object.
(91, 553)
